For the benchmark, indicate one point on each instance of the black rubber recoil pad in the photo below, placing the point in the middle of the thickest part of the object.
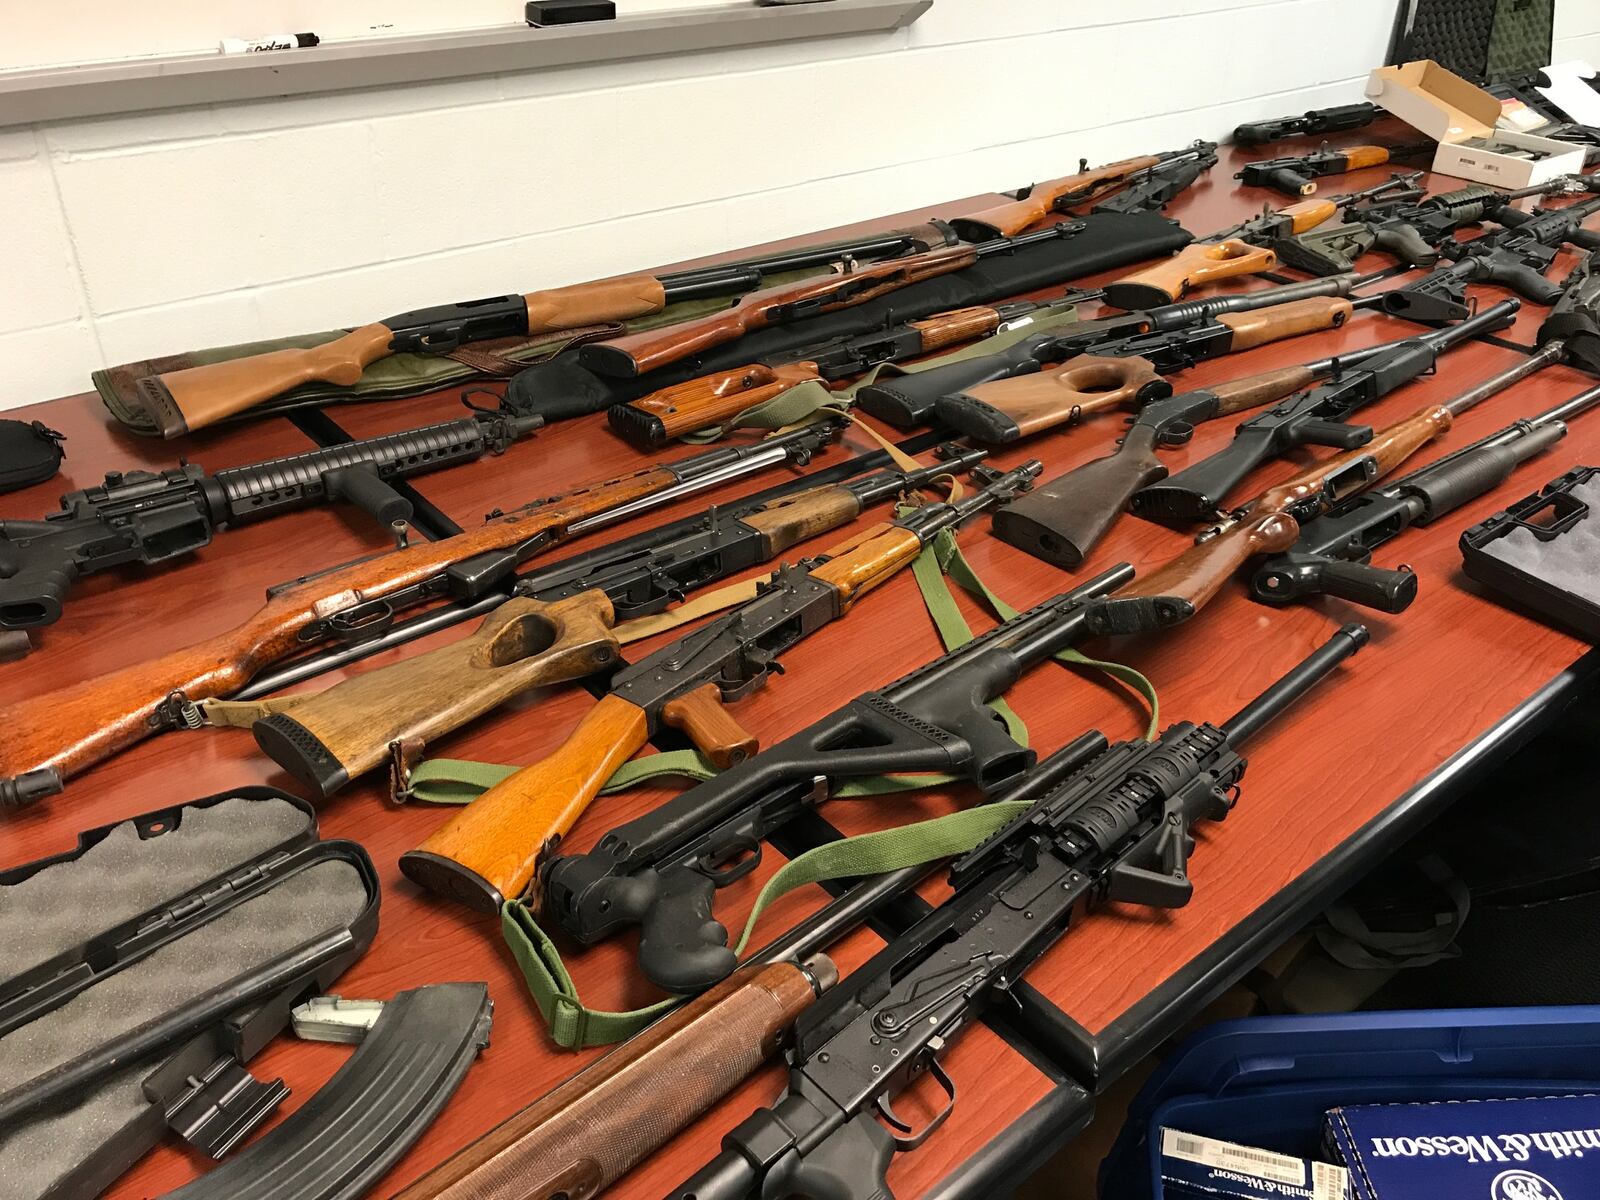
(976, 418)
(301, 753)
(642, 430)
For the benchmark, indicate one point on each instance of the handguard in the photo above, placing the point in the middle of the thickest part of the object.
(342, 1140)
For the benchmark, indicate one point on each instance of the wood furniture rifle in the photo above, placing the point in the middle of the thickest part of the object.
(183, 401)
(492, 849)
(1297, 176)
(48, 739)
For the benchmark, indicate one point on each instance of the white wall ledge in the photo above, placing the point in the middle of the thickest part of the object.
(141, 85)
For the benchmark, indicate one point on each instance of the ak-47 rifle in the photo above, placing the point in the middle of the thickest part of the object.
(492, 849)
(1061, 521)
(1152, 188)
(1171, 337)
(634, 354)
(1116, 376)
(1038, 201)
(711, 400)
(1411, 230)
(1319, 417)
(1332, 556)
(1318, 120)
(1247, 248)
(1119, 831)
(551, 630)
(183, 401)
(50, 738)
(1514, 256)
(145, 517)
(1297, 176)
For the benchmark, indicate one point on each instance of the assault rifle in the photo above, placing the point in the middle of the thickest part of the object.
(634, 354)
(1247, 248)
(1297, 176)
(183, 401)
(1170, 337)
(1038, 201)
(1119, 831)
(557, 625)
(1574, 320)
(1332, 556)
(50, 738)
(149, 517)
(1515, 256)
(1319, 417)
(711, 400)
(1061, 521)
(1411, 231)
(1154, 187)
(493, 848)
(1317, 121)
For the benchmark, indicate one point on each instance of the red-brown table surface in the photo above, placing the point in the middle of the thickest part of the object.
(1450, 681)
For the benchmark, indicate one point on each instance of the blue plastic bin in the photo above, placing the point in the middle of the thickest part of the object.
(1267, 1081)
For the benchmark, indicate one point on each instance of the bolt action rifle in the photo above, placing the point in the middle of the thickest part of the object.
(1171, 337)
(1317, 121)
(50, 738)
(148, 517)
(557, 626)
(1119, 831)
(635, 354)
(183, 401)
(712, 400)
(1247, 248)
(1061, 521)
(1038, 201)
(1318, 417)
(494, 847)
(1514, 256)
(1297, 176)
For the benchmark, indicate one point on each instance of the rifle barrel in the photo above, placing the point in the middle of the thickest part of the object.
(1266, 707)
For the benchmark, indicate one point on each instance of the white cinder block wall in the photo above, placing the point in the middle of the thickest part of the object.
(130, 236)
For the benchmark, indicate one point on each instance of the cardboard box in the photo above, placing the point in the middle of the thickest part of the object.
(1202, 1168)
(1462, 118)
(1544, 1148)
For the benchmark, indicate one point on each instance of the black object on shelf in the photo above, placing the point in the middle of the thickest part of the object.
(568, 12)
(1539, 555)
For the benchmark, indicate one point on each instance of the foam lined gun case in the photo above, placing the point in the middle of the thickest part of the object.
(141, 970)
(1542, 554)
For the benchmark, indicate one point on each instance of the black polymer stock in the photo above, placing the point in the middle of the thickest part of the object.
(661, 871)
(1172, 337)
(1318, 417)
(1117, 831)
(153, 517)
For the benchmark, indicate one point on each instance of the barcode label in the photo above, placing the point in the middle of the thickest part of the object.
(1329, 1182)
(1208, 1152)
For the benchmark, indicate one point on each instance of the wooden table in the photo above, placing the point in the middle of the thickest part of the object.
(1451, 684)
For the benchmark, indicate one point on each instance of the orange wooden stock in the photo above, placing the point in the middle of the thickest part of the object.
(1199, 572)
(1281, 321)
(595, 303)
(1237, 395)
(1191, 267)
(1008, 409)
(867, 560)
(1005, 220)
(716, 399)
(1307, 214)
(1356, 157)
(956, 326)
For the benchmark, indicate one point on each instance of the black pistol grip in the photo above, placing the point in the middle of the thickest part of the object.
(1286, 578)
(852, 1163)
(1526, 281)
(682, 948)
(1337, 434)
(1405, 243)
(32, 594)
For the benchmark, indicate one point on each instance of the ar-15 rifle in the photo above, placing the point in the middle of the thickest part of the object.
(1515, 256)
(1574, 319)
(652, 421)
(1411, 231)
(1119, 831)
(1319, 417)
(493, 848)
(1297, 176)
(635, 354)
(1038, 201)
(1247, 248)
(555, 627)
(1061, 521)
(1117, 376)
(183, 401)
(147, 517)
(1317, 121)
(50, 738)
(1170, 337)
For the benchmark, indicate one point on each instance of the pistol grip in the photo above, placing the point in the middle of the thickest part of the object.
(683, 949)
(1406, 244)
(703, 717)
(1527, 282)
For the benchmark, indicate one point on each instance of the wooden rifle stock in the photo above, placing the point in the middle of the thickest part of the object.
(1313, 315)
(1011, 218)
(183, 401)
(584, 1135)
(490, 850)
(636, 353)
(1009, 409)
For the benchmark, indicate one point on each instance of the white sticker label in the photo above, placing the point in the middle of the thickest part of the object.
(1329, 1182)
(1226, 1156)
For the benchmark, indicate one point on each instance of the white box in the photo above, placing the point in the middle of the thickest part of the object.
(1462, 118)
